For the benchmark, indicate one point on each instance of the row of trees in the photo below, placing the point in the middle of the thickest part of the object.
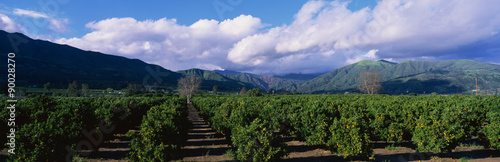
(75, 90)
(369, 82)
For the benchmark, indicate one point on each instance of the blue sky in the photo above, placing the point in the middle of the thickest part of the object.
(265, 37)
(187, 12)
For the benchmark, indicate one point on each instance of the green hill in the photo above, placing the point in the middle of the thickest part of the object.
(342, 79)
(443, 77)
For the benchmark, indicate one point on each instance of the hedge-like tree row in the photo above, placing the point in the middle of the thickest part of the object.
(164, 130)
(347, 123)
(56, 129)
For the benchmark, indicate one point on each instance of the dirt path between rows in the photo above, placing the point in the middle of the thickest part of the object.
(202, 144)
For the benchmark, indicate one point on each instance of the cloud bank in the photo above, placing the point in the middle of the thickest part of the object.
(323, 36)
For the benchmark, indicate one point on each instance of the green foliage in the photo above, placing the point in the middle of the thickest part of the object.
(47, 138)
(133, 89)
(254, 92)
(47, 127)
(243, 91)
(163, 132)
(437, 134)
(347, 123)
(257, 142)
(109, 90)
(490, 133)
(215, 88)
(85, 89)
(343, 123)
(74, 89)
(47, 86)
(349, 136)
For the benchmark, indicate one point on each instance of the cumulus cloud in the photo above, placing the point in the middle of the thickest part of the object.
(392, 30)
(204, 44)
(324, 35)
(54, 24)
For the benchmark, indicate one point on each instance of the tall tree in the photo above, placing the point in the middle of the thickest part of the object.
(133, 89)
(74, 89)
(370, 82)
(47, 86)
(214, 89)
(109, 90)
(243, 91)
(85, 89)
(188, 86)
(254, 92)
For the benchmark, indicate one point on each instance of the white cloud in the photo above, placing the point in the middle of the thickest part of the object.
(209, 67)
(202, 44)
(55, 25)
(323, 36)
(29, 13)
(370, 55)
(397, 29)
(8, 25)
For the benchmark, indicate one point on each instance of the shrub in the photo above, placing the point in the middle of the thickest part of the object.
(254, 92)
(257, 142)
(163, 133)
(439, 131)
(349, 137)
(48, 134)
(490, 134)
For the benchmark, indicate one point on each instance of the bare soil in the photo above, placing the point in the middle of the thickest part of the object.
(203, 144)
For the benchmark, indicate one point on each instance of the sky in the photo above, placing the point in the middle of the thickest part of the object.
(265, 37)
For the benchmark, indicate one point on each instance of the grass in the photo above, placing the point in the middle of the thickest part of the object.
(230, 153)
(391, 147)
(79, 159)
(473, 146)
(464, 159)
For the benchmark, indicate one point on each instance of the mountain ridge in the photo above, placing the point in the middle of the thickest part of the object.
(212, 78)
(410, 76)
(40, 61)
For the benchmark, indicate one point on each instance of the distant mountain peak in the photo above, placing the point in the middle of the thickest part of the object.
(387, 61)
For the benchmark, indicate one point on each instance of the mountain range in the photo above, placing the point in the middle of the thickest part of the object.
(445, 77)
(39, 62)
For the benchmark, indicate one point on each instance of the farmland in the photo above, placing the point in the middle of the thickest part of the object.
(346, 124)
(255, 128)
